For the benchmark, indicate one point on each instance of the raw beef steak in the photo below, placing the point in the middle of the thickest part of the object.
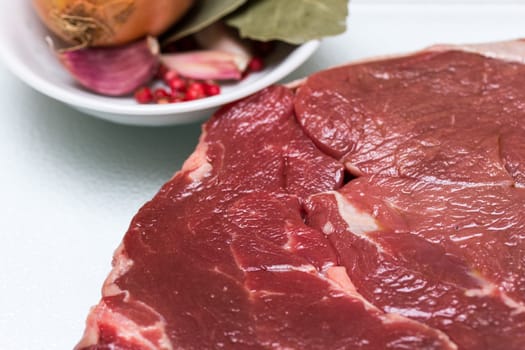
(439, 116)
(379, 206)
(446, 255)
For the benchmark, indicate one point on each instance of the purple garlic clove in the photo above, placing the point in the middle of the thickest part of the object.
(206, 64)
(114, 71)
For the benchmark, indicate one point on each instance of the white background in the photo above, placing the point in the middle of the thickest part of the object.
(69, 184)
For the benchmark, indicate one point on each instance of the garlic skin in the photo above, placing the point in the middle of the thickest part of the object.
(218, 37)
(114, 71)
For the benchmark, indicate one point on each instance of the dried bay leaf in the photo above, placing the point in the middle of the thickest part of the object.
(201, 15)
(292, 21)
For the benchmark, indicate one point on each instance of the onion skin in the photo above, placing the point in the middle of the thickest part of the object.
(109, 22)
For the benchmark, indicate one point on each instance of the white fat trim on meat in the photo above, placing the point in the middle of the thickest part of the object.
(121, 265)
(328, 228)
(466, 184)
(358, 222)
(127, 329)
(408, 312)
(489, 289)
(201, 172)
(197, 165)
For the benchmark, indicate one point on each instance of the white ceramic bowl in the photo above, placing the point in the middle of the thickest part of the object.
(28, 56)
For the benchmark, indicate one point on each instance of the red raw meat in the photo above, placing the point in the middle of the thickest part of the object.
(439, 116)
(381, 206)
(445, 255)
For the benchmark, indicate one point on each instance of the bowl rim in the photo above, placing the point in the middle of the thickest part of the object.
(291, 62)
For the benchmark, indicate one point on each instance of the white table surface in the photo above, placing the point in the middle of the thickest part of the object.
(70, 184)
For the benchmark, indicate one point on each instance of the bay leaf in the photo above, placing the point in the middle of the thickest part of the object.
(292, 21)
(201, 15)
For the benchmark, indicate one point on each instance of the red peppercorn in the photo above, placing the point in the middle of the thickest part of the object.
(195, 91)
(256, 64)
(212, 89)
(189, 97)
(144, 95)
(160, 94)
(176, 84)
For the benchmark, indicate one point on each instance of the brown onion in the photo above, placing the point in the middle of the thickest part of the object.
(109, 22)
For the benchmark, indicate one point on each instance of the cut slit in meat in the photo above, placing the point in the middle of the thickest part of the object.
(265, 240)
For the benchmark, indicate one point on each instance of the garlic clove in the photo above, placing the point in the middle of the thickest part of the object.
(114, 71)
(219, 37)
(206, 64)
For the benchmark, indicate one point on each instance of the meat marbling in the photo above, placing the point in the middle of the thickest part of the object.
(379, 206)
